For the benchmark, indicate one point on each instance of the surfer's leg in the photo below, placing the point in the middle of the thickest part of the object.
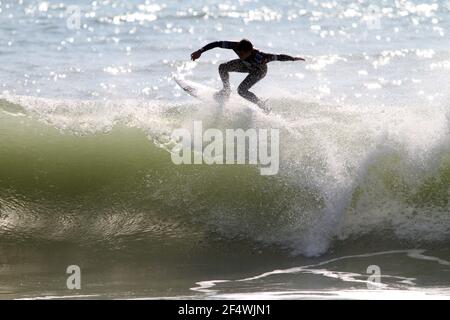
(253, 77)
(230, 66)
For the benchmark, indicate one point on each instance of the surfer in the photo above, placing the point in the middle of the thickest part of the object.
(251, 61)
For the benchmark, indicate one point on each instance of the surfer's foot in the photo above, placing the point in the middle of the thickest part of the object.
(263, 105)
(222, 95)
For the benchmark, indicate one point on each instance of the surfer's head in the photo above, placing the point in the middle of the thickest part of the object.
(244, 49)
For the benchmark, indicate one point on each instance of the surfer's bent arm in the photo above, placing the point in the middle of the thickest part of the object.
(219, 44)
(281, 57)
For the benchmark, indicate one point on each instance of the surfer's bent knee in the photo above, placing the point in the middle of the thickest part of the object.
(223, 68)
(242, 89)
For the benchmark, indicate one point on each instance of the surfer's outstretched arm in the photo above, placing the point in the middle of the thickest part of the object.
(281, 57)
(216, 44)
(220, 44)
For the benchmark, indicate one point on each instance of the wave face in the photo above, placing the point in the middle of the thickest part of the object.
(99, 173)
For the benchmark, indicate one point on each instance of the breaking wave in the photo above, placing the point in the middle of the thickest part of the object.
(94, 173)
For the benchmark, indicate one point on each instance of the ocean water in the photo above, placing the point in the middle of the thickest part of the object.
(86, 177)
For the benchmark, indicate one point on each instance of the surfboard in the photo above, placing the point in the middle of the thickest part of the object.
(196, 90)
(206, 94)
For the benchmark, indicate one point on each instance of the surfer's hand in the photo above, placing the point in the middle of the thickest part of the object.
(299, 59)
(195, 55)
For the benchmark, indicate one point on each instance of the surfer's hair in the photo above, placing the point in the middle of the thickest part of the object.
(244, 46)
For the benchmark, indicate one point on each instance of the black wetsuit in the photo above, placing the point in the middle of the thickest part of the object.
(254, 65)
